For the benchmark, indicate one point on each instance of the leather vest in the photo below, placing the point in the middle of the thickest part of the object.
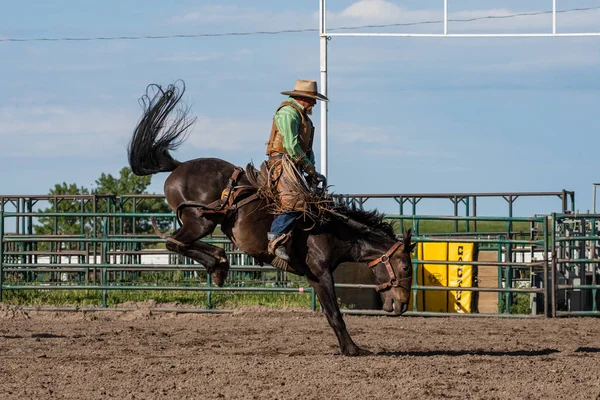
(306, 133)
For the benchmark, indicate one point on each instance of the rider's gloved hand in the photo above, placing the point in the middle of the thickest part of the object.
(309, 169)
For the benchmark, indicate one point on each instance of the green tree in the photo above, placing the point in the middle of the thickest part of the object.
(126, 183)
(129, 184)
(64, 225)
(116, 191)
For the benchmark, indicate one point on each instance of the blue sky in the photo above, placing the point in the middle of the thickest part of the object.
(406, 116)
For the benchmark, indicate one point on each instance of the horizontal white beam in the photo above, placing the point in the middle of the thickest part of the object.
(463, 35)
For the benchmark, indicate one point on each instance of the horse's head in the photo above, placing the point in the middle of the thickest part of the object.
(393, 273)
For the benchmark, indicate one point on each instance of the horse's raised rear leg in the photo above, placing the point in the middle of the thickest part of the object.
(186, 241)
(220, 266)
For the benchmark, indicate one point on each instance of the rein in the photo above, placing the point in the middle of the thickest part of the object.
(393, 282)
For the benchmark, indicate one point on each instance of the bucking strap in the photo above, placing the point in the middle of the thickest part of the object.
(227, 201)
(237, 171)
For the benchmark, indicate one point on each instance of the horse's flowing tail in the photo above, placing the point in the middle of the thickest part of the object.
(157, 132)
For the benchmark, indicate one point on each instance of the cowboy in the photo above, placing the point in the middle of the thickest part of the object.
(292, 134)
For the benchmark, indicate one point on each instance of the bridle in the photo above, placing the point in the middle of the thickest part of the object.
(394, 282)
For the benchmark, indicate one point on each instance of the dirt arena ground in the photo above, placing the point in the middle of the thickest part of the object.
(289, 354)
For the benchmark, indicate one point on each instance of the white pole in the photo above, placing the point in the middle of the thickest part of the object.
(323, 88)
(445, 17)
(594, 187)
(465, 35)
(554, 16)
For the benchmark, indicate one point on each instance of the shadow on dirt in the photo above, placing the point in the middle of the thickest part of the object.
(34, 336)
(46, 336)
(587, 350)
(457, 353)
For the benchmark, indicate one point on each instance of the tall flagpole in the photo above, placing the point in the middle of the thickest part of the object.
(323, 88)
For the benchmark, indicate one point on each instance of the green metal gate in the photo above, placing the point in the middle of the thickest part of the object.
(110, 254)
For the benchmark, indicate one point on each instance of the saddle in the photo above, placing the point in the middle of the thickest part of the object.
(234, 196)
(258, 178)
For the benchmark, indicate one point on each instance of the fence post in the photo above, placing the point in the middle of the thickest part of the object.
(592, 232)
(209, 304)
(104, 260)
(554, 266)
(547, 289)
(501, 295)
(1, 254)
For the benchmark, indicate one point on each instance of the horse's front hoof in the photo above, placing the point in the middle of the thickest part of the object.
(218, 277)
(357, 352)
(365, 352)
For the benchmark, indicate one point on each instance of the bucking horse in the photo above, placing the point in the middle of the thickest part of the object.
(206, 192)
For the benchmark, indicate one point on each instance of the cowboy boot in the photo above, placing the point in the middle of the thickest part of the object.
(277, 245)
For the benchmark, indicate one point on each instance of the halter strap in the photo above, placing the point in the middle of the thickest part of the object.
(385, 259)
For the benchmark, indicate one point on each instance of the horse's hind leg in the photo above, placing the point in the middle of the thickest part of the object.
(221, 268)
(186, 241)
(217, 252)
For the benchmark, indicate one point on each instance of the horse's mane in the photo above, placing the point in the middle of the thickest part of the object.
(374, 220)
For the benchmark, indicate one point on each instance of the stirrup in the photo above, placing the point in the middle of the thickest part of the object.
(277, 239)
(277, 245)
(281, 252)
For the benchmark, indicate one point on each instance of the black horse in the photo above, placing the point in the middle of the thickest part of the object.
(359, 236)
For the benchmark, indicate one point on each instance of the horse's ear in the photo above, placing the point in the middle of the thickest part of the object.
(412, 246)
(406, 237)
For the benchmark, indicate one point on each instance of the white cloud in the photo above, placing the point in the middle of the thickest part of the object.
(213, 14)
(539, 61)
(366, 65)
(365, 12)
(235, 55)
(244, 17)
(228, 134)
(579, 21)
(190, 56)
(391, 151)
(242, 54)
(37, 51)
(373, 10)
(356, 133)
(68, 67)
(58, 130)
(41, 120)
(542, 23)
(384, 141)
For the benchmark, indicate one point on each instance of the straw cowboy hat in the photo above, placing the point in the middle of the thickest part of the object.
(306, 88)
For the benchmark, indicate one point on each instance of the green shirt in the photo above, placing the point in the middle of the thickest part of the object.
(288, 121)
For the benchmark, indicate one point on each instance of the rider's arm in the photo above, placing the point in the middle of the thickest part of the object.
(311, 157)
(288, 121)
